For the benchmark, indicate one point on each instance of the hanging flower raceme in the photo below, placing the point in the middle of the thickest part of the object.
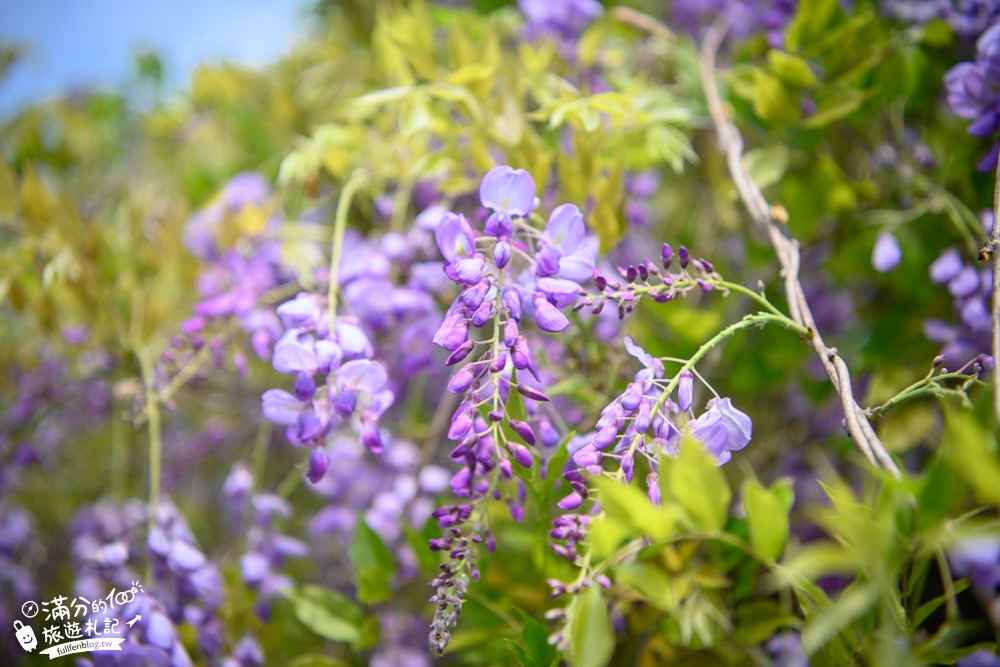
(510, 273)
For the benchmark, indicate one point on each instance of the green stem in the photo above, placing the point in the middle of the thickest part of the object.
(924, 388)
(155, 441)
(339, 227)
(748, 321)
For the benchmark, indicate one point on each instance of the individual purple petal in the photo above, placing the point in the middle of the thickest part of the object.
(965, 283)
(353, 341)
(305, 386)
(254, 567)
(886, 254)
(498, 225)
(571, 502)
(160, 632)
(319, 463)
(362, 375)
(453, 332)
(508, 190)
(371, 437)
(301, 312)
(946, 267)
(523, 430)
(293, 354)
(547, 261)
(685, 390)
(501, 254)
(280, 407)
(455, 238)
(738, 425)
(562, 292)
(565, 229)
(470, 270)
(548, 317)
(184, 557)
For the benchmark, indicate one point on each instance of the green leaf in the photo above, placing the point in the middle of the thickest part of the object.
(791, 69)
(810, 22)
(650, 581)
(327, 613)
(772, 101)
(699, 485)
(374, 565)
(522, 656)
(591, 637)
(623, 503)
(972, 451)
(827, 624)
(767, 518)
(384, 96)
(767, 164)
(536, 639)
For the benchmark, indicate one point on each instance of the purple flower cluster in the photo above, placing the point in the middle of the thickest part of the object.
(390, 286)
(17, 581)
(267, 549)
(974, 92)
(968, 18)
(563, 19)
(388, 493)
(643, 421)
(746, 18)
(508, 271)
(52, 401)
(234, 238)
(186, 586)
(972, 287)
(353, 389)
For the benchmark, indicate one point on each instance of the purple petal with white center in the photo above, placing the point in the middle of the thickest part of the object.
(353, 341)
(362, 375)
(508, 190)
(562, 292)
(301, 312)
(280, 407)
(738, 425)
(470, 270)
(292, 354)
(579, 266)
(565, 229)
(454, 237)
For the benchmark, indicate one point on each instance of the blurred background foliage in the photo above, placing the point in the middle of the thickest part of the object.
(845, 129)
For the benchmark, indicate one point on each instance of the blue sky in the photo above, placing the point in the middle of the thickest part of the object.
(93, 42)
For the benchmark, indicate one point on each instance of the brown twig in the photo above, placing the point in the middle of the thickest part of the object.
(787, 250)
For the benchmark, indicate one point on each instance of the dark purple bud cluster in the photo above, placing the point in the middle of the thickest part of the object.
(452, 584)
(645, 278)
(529, 272)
